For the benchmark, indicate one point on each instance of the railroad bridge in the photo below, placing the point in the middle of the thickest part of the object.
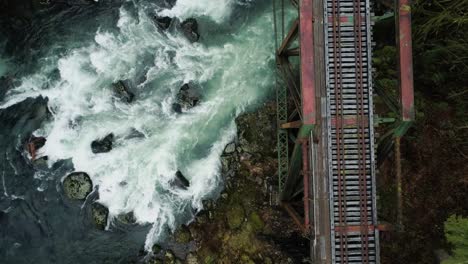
(326, 140)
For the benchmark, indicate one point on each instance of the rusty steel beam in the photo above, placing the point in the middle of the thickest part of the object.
(297, 219)
(404, 44)
(292, 34)
(358, 228)
(292, 52)
(306, 34)
(294, 124)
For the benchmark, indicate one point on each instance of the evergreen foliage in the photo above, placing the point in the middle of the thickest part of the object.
(456, 232)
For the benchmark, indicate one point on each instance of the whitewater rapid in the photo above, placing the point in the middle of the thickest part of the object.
(231, 74)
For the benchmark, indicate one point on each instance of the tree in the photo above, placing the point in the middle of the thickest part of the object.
(456, 232)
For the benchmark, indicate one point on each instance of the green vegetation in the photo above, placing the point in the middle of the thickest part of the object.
(435, 150)
(456, 232)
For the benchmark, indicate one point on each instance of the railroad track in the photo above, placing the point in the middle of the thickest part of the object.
(354, 237)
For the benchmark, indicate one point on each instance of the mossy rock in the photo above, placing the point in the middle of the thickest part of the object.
(209, 260)
(191, 259)
(169, 258)
(156, 249)
(235, 216)
(155, 261)
(100, 214)
(256, 221)
(182, 235)
(77, 185)
(245, 259)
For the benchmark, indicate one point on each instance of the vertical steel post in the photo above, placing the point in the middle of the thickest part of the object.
(306, 175)
(405, 60)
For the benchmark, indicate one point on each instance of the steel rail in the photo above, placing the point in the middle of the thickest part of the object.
(361, 134)
(336, 25)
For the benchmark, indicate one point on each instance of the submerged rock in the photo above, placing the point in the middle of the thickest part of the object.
(100, 214)
(186, 98)
(104, 145)
(133, 133)
(162, 22)
(123, 92)
(180, 181)
(190, 29)
(77, 185)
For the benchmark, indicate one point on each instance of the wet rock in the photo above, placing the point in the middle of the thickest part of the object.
(100, 214)
(235, 216)
(190, 29)
(123, 92)
(180, 181)
(103, 145)
(177, 108)
(162, 22)
(41, 162)
(230, 148)
(77, 185)
(34, 144)
(257, 131)
(128, 218)
(186, 98)
(156, 249)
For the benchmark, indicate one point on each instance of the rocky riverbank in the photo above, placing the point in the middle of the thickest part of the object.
(243, 225)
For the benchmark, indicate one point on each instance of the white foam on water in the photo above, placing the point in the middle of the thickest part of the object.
(135, 176)
(217, 10)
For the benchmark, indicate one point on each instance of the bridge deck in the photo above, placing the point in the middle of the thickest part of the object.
(347, 132)
(350, 132)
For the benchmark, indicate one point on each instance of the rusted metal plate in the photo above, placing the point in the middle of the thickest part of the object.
(405, 60)
(307, 62)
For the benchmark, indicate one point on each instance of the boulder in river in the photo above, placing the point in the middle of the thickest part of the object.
(123, 92)
(162, 22)
(102, 145)
(186, 98)
(190, 29)
(100, 214)
(180, 181)
(77, 185)
(34, 144)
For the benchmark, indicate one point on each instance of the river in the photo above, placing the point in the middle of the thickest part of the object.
(63, 67)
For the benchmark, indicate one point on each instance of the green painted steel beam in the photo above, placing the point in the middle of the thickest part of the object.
(402, 128)
(295, 164)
